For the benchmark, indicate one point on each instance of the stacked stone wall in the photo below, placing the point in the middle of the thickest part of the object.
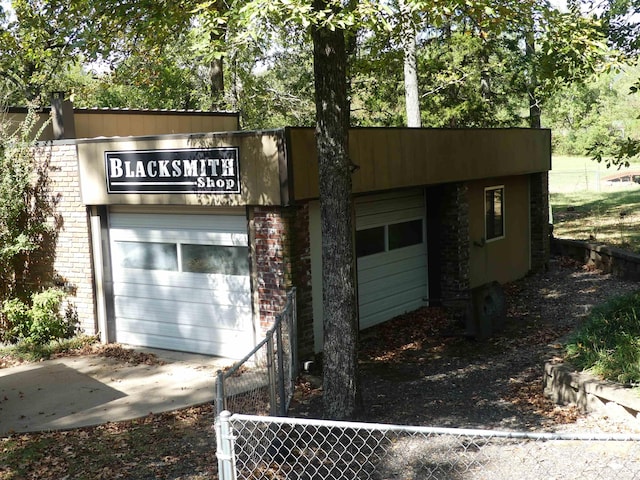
(455, 245)
(539, 208)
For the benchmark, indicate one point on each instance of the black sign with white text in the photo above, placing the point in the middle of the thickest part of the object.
(195, 170)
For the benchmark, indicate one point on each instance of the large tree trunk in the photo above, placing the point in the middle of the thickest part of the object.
(534, 104)
(341, 387)
(216, 82)
(411, 94)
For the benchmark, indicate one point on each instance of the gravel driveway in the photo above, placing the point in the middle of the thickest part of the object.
(416, 370)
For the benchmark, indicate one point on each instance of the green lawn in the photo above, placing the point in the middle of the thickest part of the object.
(572, 174)
(584, 209)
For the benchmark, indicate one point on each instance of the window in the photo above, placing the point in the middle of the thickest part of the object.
(388, 237)
(405, 234)
(370, 241)
(146, 256)
(494, 212)
(224, 260)
(214, 259)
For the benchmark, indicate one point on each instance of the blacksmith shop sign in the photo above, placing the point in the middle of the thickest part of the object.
(190, 170)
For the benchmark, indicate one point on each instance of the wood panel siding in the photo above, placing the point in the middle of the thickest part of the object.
(507, 258)
(388, 158)
(91, 123)
(98, 123)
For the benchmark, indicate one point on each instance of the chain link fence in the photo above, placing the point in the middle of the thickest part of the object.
(263, 382)
(593, 180)
(251, 447)
(576, 181)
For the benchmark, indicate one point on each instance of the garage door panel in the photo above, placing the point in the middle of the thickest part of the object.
(229, 343)
(166, 311)
(388, 269)
(393, 284)
(394, 256)
(190, 295)
(164, 222)
(398, 299)
(393, 280)
(388, 210)
(157, 235)
(161, 304)
(184, 331)
(184, 280)
(378, 314)
(215, 294)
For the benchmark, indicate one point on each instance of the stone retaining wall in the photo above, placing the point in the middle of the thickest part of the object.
(566, 386)
(621, 263)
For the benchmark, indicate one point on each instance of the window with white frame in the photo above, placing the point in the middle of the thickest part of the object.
(494, 212)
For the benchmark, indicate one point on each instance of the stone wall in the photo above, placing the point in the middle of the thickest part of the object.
(621, 263)
(455, 246)
(72, 264)
(539, 214)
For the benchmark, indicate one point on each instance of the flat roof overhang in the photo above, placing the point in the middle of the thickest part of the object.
(279, 167)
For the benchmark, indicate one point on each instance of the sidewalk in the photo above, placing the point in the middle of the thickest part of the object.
(73, 392)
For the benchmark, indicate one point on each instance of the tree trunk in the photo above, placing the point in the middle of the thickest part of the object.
(341, 386)
(534, 104)
(216, 83)
(411, 94)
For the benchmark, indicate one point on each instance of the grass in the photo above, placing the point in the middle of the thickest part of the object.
(571, 174)
(582, 212)
(31, 352)
(584, 208)
(608, 344)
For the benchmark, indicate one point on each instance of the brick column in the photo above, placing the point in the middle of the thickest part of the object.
(282, 258)
(455, 248)
(301, 277)
(272, 273)
(539, 214)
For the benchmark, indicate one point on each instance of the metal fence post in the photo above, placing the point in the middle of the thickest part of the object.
(293, 334)
(280, 352)
(221, 403)
(273, 400)
(225, 447)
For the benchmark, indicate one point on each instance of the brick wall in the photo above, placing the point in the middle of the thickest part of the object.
(301, 270)
(539, 208)
(282, 257)
(73, 250)
(270, 234)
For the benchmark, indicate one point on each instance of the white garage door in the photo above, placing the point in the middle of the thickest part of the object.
(181, 282)
(392, 255)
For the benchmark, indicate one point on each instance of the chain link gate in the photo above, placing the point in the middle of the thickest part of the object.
(263, 382)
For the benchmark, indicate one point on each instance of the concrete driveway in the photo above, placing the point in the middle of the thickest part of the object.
(73, 392)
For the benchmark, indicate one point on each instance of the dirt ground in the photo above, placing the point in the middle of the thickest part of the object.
(420, 370)
(416, 369)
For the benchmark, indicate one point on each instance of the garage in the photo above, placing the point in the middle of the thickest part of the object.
(182, 282)
(391, 255)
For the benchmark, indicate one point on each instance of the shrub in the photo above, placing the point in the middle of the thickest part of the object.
(41, 322)
(608, 343)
